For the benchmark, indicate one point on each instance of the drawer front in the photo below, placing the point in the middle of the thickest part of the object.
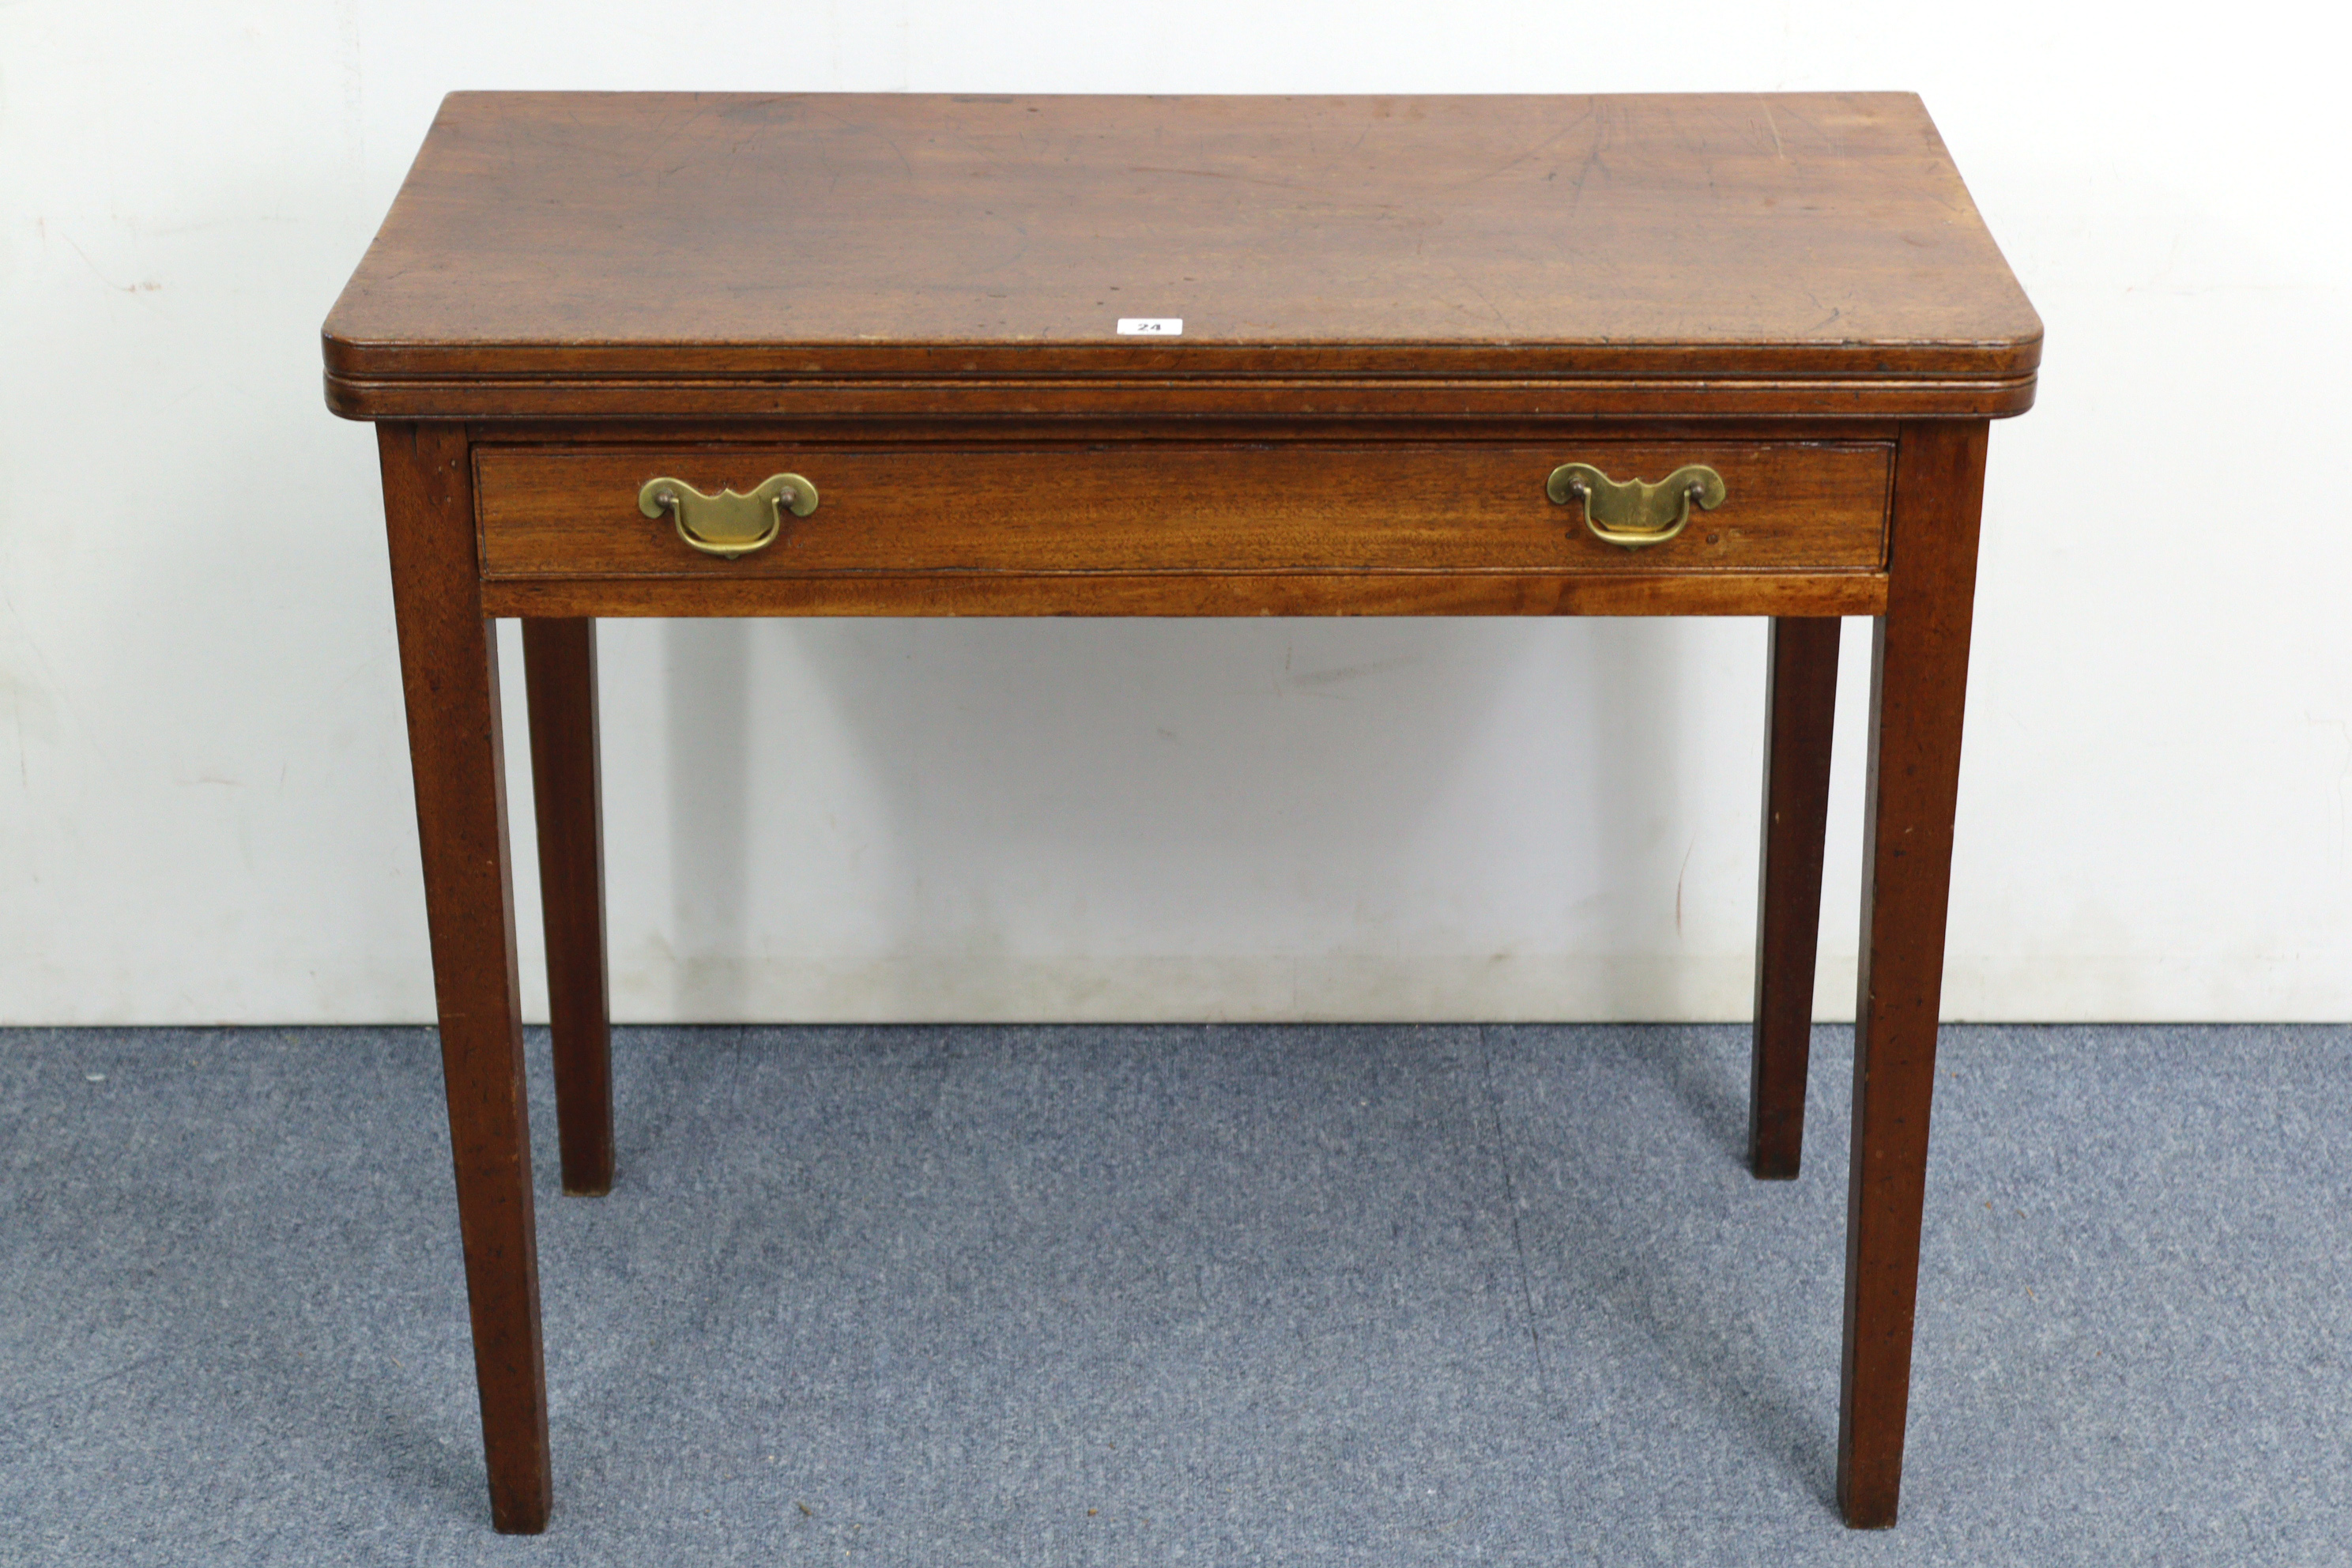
(1788, 506)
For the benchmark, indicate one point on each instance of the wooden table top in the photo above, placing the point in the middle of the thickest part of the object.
(644, 240)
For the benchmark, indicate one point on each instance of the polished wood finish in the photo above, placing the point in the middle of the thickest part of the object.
(1203, 593)
(1457, 508)
(1399, 315)
(1799, 709)
(603, 254)
(449, 672)
(1918, 683)
(559, 659)
(493, 398)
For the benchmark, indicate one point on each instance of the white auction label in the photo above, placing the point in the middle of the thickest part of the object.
(1151, 326)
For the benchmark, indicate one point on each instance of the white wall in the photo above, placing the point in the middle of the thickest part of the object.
(204, 807)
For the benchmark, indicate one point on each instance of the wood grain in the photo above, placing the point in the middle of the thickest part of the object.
(560, 675)
(1204, 594)
(1467, 398)
(608, 252)
(1800, 713)
(449, 673)
(1919, 672)
(1273, 506)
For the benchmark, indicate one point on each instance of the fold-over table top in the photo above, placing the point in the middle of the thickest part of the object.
(654, 240)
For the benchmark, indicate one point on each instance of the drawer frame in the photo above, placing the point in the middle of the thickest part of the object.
(556, 572)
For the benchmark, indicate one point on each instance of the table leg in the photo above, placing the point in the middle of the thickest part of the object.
(1801, 706)
(1919, 666)
(448, 661)
(559, 660)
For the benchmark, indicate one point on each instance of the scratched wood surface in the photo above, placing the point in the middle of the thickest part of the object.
(657, 252)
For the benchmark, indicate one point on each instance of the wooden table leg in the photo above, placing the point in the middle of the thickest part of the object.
(448, 662)
(559, 660)
(1799, 710)
(1918, 681)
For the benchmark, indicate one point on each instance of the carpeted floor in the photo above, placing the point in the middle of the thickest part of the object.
(958, 1297)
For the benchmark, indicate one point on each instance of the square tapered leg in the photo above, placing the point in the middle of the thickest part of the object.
(1801, 706)
(448, 661)
(560, 675)
(1920, 669)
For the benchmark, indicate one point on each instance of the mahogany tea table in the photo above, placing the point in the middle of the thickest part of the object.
(684, 354)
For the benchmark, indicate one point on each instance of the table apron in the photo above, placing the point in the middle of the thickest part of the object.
(1212, 528)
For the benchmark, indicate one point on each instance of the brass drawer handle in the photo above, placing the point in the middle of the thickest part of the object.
(729, 524)
(1633, 514)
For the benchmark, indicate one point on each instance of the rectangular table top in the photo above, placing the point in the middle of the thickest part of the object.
(650, 240)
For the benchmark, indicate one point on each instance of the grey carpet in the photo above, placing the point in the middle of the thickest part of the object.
(1307, 1295)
